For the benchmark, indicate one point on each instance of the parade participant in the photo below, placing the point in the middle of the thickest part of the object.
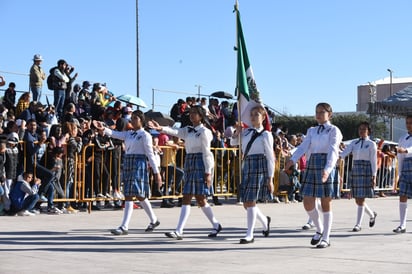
(321, 146)
(138, 146)
(405, 174)
(257, 171)
(363, 175)
(198, 168)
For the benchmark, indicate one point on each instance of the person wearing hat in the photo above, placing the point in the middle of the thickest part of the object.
(37, 76)
(61, 86)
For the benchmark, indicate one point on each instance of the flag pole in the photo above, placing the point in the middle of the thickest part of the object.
(240, 155)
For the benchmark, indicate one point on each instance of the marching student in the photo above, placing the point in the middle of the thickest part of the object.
(257, 171)
(138, 146)
(363, 175)
(404, 151)
(198, 168)
(321, 146)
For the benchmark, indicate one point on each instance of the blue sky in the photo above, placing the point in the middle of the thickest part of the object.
(302, 52)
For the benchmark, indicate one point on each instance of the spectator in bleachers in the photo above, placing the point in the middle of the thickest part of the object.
(37, 76)
(9, 99)
(61, 85)
(23, 103)
(74, 147)
(10, 167)
(24, 195)
(363, 174)
(2, 81)
(257, 171)
(198, 169)
(33, 143)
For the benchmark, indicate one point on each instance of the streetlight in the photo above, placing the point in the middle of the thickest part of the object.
(390, 92)
(198, 90)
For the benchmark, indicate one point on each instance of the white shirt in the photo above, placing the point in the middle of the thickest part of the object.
(136, 142)
(406, 143)
(263, 144)
(326, 141)
(197, 141)
(362, 150)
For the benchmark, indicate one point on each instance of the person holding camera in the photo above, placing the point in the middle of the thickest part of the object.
(363, 175)
(60, 86)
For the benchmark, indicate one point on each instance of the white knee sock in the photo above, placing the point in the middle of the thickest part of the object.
(314, 216)
(207, 210)
(403, 210)
(327, 225)
(251, 220)
(262, 218)
(359, 216)
(368, 210)
(184, 215)
(147, 206)
(127, 214)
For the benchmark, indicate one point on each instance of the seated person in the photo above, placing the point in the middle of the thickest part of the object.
(288, 181)
(23, 195)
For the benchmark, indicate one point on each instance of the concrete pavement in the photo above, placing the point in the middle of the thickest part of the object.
(82, 243)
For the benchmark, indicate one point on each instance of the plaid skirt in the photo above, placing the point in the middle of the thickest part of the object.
(194, 177)
(254, 175)
(312, 185)
(361, 179)
(405, 178)
(136, 176)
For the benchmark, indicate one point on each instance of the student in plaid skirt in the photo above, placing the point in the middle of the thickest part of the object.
(321, 146)
(404, 151)
(257, 170)
(198, 167)
(363, 174)
(138, 146)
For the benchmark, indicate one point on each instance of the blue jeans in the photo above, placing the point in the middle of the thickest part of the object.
(59, 97)
(36, 93)
(1, 190)
(177, 180)
(30, 201)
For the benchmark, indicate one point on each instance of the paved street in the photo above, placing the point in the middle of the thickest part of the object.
(82, 243)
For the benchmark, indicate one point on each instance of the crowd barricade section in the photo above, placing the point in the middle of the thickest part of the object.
(226, 174)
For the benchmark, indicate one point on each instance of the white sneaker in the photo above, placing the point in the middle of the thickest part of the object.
(117, 195)
(25, 213)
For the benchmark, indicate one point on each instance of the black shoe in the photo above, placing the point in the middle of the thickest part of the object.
(166, 204)
(216, 201)
(94, 207)
(399, 230)
(323, 244)
(267, 232)
(373, 219)
(245, 241)
(315, 241)
(215, 231)
(152, 226)
(356, 228)
(174, 235)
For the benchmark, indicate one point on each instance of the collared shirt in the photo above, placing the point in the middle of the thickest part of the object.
(362, 150)
(404, 142)
(136, 142)
(326, 141)
(197, 140)
(263, 144)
